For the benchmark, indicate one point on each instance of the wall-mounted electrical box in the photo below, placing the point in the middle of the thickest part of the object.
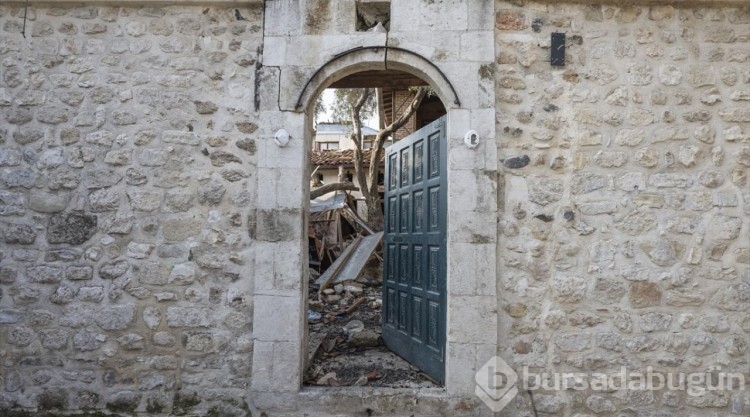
(557, 50)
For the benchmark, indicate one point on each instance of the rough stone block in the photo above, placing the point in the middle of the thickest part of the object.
(277, 327)
(116, 317)
(17, 233)
(71, 228)
(188, 317)
(278, 225)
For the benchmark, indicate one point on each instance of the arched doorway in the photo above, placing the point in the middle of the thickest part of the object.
(471, 320)
(413, 298)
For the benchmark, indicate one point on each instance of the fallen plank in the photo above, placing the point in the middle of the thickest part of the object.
(325, 280)
(354, 264)
(356, 221)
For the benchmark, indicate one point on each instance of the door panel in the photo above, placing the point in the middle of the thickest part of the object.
(414, 285)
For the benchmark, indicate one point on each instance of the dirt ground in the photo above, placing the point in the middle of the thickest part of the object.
(345, 343)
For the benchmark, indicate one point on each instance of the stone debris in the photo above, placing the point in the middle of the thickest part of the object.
(345, 340)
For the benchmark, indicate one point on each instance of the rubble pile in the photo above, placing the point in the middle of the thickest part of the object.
(346, 348)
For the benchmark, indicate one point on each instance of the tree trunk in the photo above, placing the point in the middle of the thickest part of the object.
(374, 213)
(368, 180)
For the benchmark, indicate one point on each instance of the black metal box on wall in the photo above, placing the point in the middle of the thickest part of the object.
(557, 50)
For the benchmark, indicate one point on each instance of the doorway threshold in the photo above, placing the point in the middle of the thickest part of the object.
(383, 401)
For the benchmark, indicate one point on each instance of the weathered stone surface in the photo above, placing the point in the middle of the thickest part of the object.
(153, 157)
(104, 200)
(116, 317)
(733, 298)
(180, 138)
(575, 342)
(8, 275)
(221, 158)
(681, 298)
(102, 178)
(246, 127)
(44, 274)
(91, 294)
(610, 159)
(247, 145)
(638, 344)
(209, 257)
(587, 182)
(10, 316)
(178, 201)
(71, 228)
(569, 289)
(9, 157)
(144, 200)
(181, 229)
(608, 290)
(182, 274)
(655, 322)
(119, 157)
(102, 137)
(12, 204)
(131, 341)
(152, 317)
(597, 207)
(63, 295)
(735, 114)
(53, 398)
(139, 250)
(663, 252)
(669, 180)
(630, 137)
(54, 339)
(43, 202)
(644, 294)
(211, 192)
(725, 227)
(114, 269)
(234, 175)
(187, 317)
(17, 233)
(517, 162)
(205, 107)
(149, 273)
(124, 401)
(637, 222)
(136, 176)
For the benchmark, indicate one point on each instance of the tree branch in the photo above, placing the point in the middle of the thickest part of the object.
(356, 137)
(377, 147)
(336, 186)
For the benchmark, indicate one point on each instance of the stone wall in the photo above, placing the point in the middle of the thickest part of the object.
(624, 233)
(135, 152)
(127, 169)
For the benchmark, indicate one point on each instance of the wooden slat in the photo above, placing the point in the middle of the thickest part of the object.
(382, 78)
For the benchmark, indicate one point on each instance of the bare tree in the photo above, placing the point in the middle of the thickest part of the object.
(368, 179)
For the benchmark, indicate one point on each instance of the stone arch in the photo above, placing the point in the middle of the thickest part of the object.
(377, 58)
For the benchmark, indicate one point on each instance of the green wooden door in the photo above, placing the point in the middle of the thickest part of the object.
(414, 271)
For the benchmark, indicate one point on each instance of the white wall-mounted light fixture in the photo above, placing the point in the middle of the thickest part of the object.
(471, 139)
(281, 138)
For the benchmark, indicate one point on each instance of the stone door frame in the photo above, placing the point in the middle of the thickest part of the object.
(280, 303)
